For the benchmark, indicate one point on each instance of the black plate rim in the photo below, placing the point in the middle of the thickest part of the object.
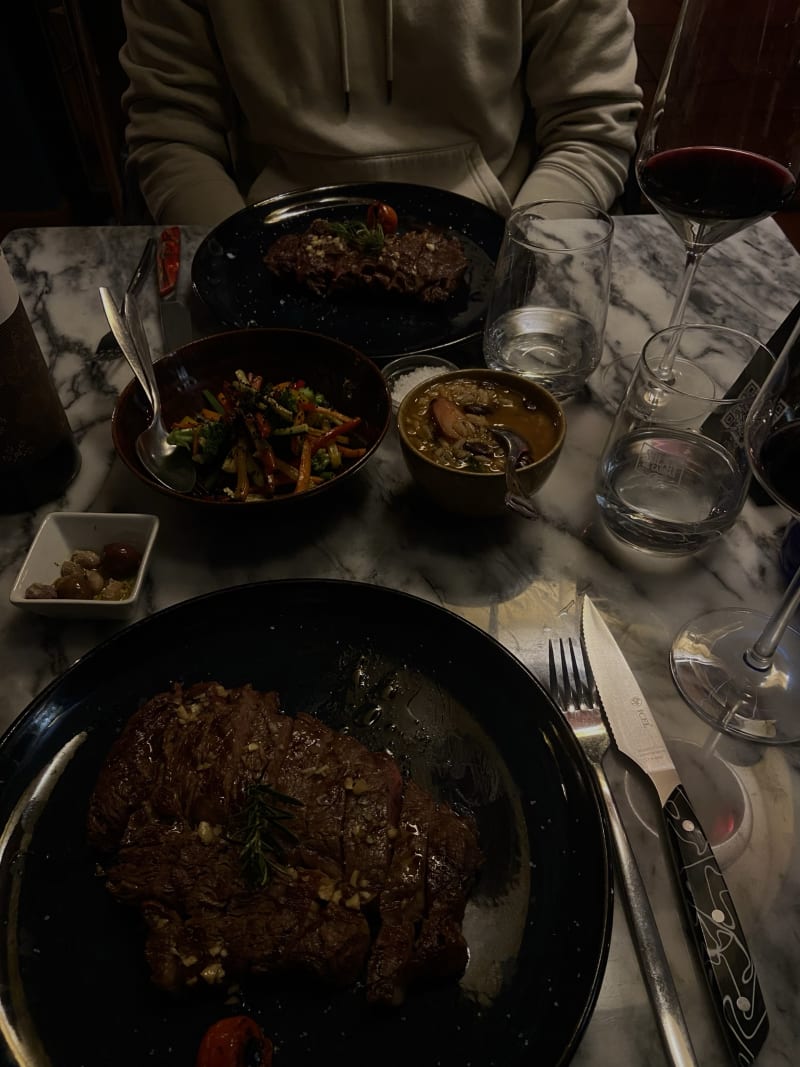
(557, 723)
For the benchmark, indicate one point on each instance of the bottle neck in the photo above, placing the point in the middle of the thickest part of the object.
(9, 296)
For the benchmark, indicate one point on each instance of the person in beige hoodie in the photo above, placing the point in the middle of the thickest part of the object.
(504, 101)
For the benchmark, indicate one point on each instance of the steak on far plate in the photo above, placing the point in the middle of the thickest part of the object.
(425, 264)
(373, 880)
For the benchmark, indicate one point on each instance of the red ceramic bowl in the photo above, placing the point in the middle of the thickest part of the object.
(350, 381)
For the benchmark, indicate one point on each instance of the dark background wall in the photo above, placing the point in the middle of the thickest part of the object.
(61, 83)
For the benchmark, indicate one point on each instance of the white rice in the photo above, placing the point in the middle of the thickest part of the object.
(404, 383)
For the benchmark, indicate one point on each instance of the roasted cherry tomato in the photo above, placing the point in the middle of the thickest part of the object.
(381, 214)
(235, 1042)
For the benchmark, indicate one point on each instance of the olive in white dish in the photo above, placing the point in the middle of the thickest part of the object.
(91, 575)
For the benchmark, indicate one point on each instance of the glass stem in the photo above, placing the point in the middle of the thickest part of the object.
(759, 657)
(690, 264)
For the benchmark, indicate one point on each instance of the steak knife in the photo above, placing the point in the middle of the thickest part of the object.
(176, 323)
(717, 933)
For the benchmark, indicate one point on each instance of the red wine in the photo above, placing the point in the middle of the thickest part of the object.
(709, 193)
(779, 464)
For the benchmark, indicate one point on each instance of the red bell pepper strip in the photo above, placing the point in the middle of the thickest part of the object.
(325, 439)
(264, 427)
(168, 260)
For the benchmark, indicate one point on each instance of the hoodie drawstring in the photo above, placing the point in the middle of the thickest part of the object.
(344, 64)
(389, 50)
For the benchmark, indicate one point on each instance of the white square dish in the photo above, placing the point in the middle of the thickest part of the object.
(65, 532)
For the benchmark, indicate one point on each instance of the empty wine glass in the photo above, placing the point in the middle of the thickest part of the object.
(740, 669)
(721, 149)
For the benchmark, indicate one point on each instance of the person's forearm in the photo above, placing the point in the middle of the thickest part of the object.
(184, 186)
(180, 112)
(584, 172)
(581, 81)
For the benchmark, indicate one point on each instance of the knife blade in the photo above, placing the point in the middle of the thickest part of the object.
(715, 927)
(176, 323)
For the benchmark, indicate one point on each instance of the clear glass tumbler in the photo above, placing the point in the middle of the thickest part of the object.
(547, 312)
(674, 473)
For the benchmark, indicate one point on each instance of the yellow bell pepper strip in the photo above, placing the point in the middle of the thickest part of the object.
(242, 479)
(304, 467)
(334, 416)
(352, 453)
(267, 457)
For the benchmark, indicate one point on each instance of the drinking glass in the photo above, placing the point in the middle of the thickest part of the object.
(720, 149)
(739, 668)
(673, 475)
(547, 311)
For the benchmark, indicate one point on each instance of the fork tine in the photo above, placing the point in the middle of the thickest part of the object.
(570, 694)
(555, 688)
(582, 687)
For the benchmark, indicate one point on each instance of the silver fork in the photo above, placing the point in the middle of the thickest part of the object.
(575, 692)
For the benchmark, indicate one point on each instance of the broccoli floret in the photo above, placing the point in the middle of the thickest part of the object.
(213, 440)
(287, 398)
(320, 461)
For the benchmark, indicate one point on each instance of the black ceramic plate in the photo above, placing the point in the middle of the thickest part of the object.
(470, 723)
(229, 275)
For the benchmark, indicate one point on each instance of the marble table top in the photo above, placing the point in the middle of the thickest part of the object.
(517, 579)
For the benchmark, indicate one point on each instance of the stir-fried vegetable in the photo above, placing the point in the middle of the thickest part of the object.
(255, 440)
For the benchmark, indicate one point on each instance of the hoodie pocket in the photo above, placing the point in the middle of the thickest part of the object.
(459, 168)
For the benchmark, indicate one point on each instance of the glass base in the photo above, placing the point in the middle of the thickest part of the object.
(712, 675)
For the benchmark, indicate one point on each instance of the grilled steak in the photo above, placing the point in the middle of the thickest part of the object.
(374, 878)
(424, 264)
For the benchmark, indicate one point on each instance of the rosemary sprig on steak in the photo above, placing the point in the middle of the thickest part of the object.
(367, 239)
(260, 828)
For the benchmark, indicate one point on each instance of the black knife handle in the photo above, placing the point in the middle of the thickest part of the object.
(718, 935)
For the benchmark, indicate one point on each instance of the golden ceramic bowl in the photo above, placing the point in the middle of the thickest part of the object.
(480, 493)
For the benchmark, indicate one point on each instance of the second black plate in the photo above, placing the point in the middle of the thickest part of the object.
(467, 721)
(229, 274)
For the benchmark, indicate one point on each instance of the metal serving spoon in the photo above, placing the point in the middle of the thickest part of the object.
(515, 447)
(169, 464)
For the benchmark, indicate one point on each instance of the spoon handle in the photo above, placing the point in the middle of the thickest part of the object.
(125, 342)
(133, 320)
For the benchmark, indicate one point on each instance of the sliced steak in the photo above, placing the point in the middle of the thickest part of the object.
(440, 948)
(424, 264)
(368, 851)
(402, 901)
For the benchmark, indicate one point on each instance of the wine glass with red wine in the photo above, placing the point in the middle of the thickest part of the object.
(740, 669)
(720, 149)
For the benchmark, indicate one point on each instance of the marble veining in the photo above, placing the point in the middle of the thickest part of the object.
(515, 578)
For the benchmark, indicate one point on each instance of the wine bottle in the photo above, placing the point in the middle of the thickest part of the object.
(38, 454)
